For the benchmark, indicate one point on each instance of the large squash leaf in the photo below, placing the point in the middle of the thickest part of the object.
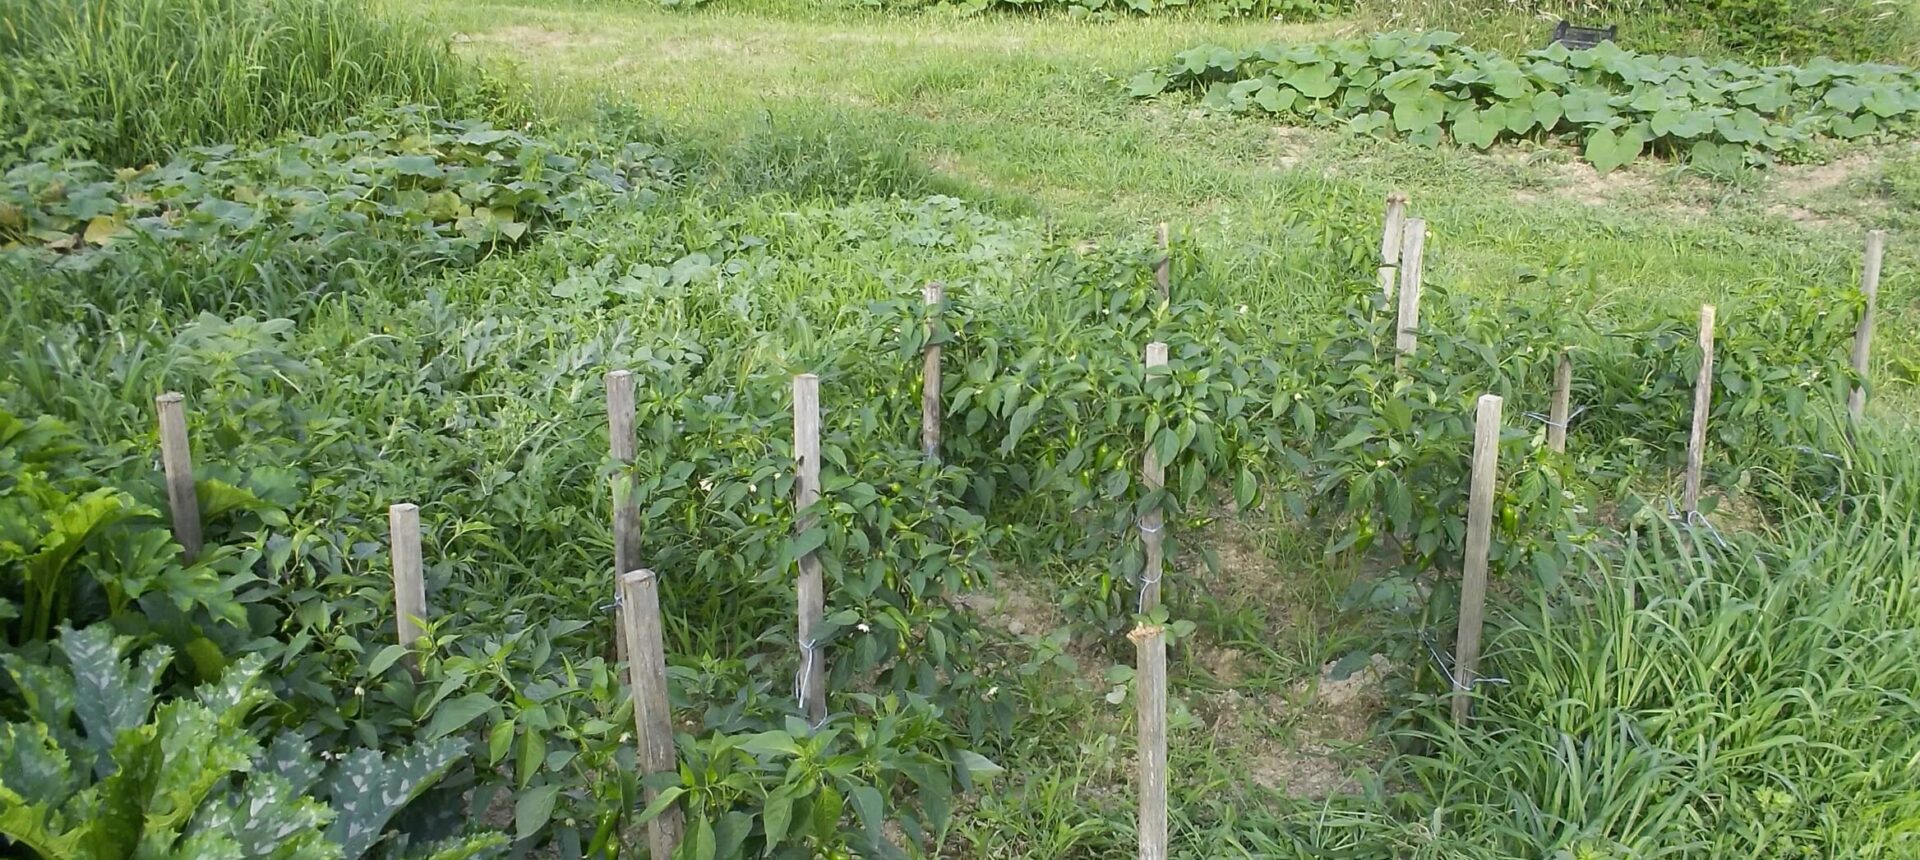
(367, 789)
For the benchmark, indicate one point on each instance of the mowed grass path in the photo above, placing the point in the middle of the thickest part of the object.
(1028, 115)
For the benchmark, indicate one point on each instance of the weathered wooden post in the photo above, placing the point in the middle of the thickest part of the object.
(1392, 227)
(652, 709)
(1473, 584)
(1863, 333)
(1557, 415)
(811, 589)
(1163, 273)
(1412, 261)
(934, 293)
(409, 585)
(624, 446)
(1153, 476)
(1150, 641)
(1151, 655)
(1702, 405)
(176, 455)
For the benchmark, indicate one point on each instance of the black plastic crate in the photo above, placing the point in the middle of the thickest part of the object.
(1582, 37)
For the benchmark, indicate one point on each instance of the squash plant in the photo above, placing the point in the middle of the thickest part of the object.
(1613, 103)
(104, 770)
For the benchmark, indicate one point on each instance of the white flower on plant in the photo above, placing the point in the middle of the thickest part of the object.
(862, 627)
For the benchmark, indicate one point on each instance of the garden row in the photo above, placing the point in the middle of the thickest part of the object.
(1613, 103)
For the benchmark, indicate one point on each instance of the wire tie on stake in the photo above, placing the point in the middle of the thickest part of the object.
(1151, 531)
(1443, 664)
(1695, 519)
(1819, 453)
(618, 601)
(1140, 603)
(809, 651)
(1552, 423)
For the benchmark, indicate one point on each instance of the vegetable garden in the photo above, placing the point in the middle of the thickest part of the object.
(538, 493)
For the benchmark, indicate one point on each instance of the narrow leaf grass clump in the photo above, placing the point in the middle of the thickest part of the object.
(127, 82)
(1681, 698)
(1613, 103)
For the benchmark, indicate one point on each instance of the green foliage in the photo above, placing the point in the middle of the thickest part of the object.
(1679, 697)
(184, 779)
(1614, 103)
(475, 390)
(1751, 30)
(127, 82)
(793, 791)
(43, 110)
(1858, 30)
(409, 190)
(1899, 182)
(74, 550)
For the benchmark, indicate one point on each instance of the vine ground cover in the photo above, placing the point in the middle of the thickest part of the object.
(1614, 103)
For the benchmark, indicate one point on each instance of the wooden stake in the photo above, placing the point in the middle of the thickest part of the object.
(1473, 584)
(1863, 334)
(652, 711)
(811, 588)
(1151, 676)
(1153, 475)
(1412, 255)
(1387, 275)
(409, 587)
(176, 455)
(624, 446)
(934, 293)
(1163, 273)
(1562, 397)
(1393, 228)
(1702, 404)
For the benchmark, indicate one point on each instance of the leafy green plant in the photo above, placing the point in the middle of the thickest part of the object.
(800, 791)
(74, 550)
(1615, 104)
(105, 769)
(439, 190)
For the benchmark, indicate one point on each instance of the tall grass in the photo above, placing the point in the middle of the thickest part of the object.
(1689, 699)
(154, 75)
